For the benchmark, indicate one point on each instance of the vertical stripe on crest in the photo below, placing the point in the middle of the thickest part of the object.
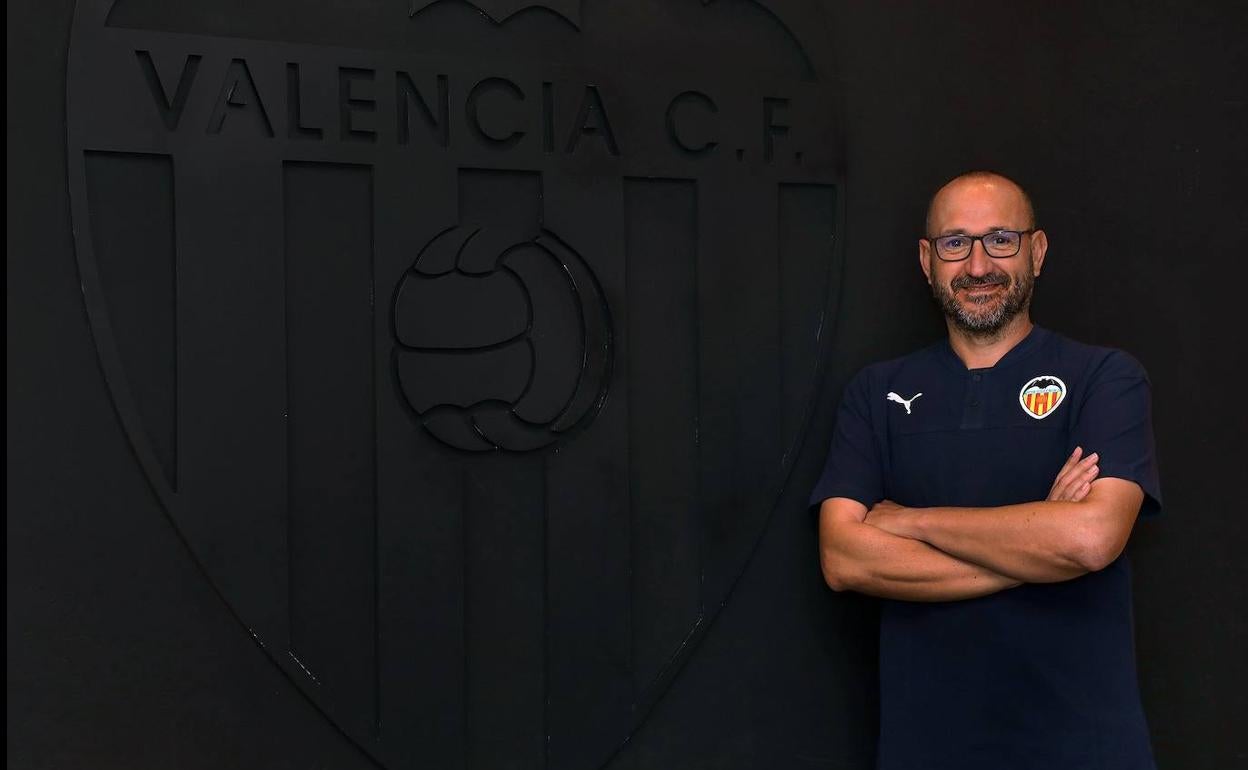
(1041, 402)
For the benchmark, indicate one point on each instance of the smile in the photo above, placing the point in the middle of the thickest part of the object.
(982, 289)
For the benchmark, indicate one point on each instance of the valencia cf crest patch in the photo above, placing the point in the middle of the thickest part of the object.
(1041, 396)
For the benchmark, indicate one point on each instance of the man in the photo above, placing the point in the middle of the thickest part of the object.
(985, 487)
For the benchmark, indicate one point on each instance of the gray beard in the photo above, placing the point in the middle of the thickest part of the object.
(1016, 299)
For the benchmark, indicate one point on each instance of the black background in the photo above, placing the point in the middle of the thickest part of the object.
(1127, 121)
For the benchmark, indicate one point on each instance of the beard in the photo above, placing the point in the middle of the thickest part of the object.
(985, 316)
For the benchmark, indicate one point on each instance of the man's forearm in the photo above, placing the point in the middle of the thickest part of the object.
(868, 560)
(1040, 542)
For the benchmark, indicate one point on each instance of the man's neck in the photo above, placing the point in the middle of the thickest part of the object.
(982, 351)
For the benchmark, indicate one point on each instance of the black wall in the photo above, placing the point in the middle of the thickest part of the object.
(1127, 121)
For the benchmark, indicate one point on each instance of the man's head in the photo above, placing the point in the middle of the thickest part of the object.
(981, 291)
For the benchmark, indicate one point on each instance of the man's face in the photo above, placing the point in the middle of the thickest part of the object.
(981, 294)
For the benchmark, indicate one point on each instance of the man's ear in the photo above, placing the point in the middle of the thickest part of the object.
(925, 259)
(1039, 247)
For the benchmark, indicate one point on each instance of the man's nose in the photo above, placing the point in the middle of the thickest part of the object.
(978, 263)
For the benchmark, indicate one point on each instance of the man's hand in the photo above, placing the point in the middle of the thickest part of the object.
(887, 515)
(1074, 480)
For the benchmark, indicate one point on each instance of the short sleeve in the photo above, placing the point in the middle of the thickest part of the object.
(852, 468)
(1115, 421)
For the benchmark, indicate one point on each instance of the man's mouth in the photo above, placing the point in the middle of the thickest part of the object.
(982, 289)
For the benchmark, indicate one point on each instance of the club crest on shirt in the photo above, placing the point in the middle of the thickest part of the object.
(1041, 396)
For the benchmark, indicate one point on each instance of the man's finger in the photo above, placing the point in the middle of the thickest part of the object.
(1077, 487)
(1070, 461)
(1083, 491)
(1070, 474)
(1070, 482)
(1088, 472)
(1085, 462)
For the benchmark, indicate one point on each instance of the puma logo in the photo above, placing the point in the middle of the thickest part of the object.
(903, 401)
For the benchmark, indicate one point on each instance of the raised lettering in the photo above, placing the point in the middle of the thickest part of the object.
(690, 97)
(295, 128)
(771, 129)
(238, 95)
(349, 104)
(548, 117)
(592, 120)
(406, 94)
(472, 108)
(170, 110)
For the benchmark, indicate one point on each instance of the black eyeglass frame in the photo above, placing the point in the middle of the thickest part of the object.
(980, 238)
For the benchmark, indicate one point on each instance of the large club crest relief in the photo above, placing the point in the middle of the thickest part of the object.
(469, 346)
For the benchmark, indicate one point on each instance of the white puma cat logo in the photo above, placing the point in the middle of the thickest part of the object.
(903, 401)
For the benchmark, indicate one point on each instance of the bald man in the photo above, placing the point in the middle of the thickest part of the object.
(984, 488)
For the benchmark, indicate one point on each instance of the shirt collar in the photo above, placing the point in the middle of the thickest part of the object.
(1021, 350)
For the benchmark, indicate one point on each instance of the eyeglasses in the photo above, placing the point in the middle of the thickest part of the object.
(998, 243)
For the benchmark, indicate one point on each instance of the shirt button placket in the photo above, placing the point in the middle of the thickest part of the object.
(973, 405)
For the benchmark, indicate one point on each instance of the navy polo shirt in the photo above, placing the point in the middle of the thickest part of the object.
(1038, 676)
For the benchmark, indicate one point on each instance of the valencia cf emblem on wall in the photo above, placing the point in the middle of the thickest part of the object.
(1041, 396)
(442, 330)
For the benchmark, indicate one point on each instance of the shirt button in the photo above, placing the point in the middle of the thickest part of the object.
(974, 402)
(977, 377)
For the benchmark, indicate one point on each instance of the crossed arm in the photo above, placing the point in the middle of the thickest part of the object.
(945, 554)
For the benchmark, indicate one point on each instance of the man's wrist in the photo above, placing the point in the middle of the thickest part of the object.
(896, 519)
(910, 522)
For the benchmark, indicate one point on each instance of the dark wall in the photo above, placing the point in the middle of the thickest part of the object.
(1127, 123)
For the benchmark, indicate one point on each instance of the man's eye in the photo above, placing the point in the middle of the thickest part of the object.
(1000, 240)
(954, 243)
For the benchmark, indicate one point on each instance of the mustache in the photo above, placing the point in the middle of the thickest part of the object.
(967, 281)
